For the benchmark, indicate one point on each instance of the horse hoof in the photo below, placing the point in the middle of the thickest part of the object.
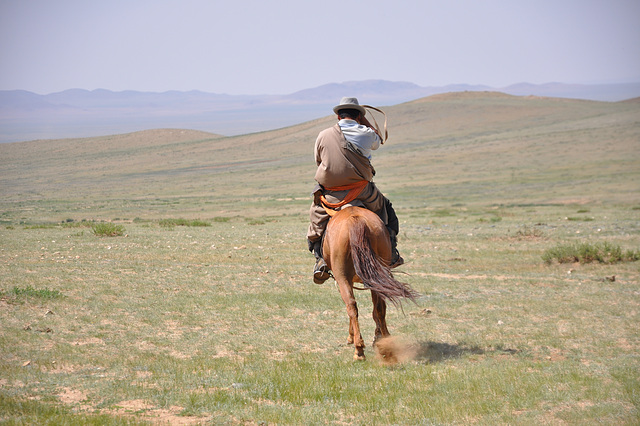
(357, 357)
(377, 338)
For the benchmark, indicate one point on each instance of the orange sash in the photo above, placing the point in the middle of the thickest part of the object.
(354, 189)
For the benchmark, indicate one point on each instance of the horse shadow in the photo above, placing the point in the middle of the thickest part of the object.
(431, 352)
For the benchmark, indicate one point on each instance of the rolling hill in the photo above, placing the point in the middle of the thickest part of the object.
(82, 113)
(459, 148)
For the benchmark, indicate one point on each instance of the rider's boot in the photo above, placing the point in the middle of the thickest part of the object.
(320, 269)
(396, 259)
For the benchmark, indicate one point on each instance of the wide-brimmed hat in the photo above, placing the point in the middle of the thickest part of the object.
(349, 103)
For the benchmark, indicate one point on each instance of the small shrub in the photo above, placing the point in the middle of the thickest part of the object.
(170, 223)
(107, 230)
(529, 232)
(199, 223)
(587, 253)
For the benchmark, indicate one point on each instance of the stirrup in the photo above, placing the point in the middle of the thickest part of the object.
(320, 272)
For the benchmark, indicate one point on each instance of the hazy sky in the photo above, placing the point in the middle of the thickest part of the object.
(282, 46)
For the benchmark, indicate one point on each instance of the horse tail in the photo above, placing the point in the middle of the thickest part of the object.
(372, 270)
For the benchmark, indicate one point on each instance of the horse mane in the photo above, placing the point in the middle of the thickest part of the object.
(372, 269)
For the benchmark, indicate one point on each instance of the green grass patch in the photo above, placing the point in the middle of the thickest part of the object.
(107, 229)
(41, 293)
(580, 219)
(602, 252)
(169, 223)
(41, 226)
(69, 223)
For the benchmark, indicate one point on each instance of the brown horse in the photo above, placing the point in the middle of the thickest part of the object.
(357, 248)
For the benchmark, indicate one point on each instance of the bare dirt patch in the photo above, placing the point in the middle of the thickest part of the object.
(141, 409)
(71, 396)
(89, 341)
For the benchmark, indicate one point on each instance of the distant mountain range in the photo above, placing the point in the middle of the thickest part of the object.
(81, 113)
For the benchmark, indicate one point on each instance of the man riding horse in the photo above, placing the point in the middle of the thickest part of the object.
(345, 178)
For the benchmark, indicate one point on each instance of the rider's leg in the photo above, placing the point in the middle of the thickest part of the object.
(393, 226)
(318, 223)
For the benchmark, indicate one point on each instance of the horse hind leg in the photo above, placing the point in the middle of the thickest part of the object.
(355, 337)
(379, 316)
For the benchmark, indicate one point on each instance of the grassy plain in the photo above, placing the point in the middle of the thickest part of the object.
(219, 322)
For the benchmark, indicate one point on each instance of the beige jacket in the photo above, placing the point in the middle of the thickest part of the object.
(337, 163)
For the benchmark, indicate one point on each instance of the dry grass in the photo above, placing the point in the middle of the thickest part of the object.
(223, 324)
